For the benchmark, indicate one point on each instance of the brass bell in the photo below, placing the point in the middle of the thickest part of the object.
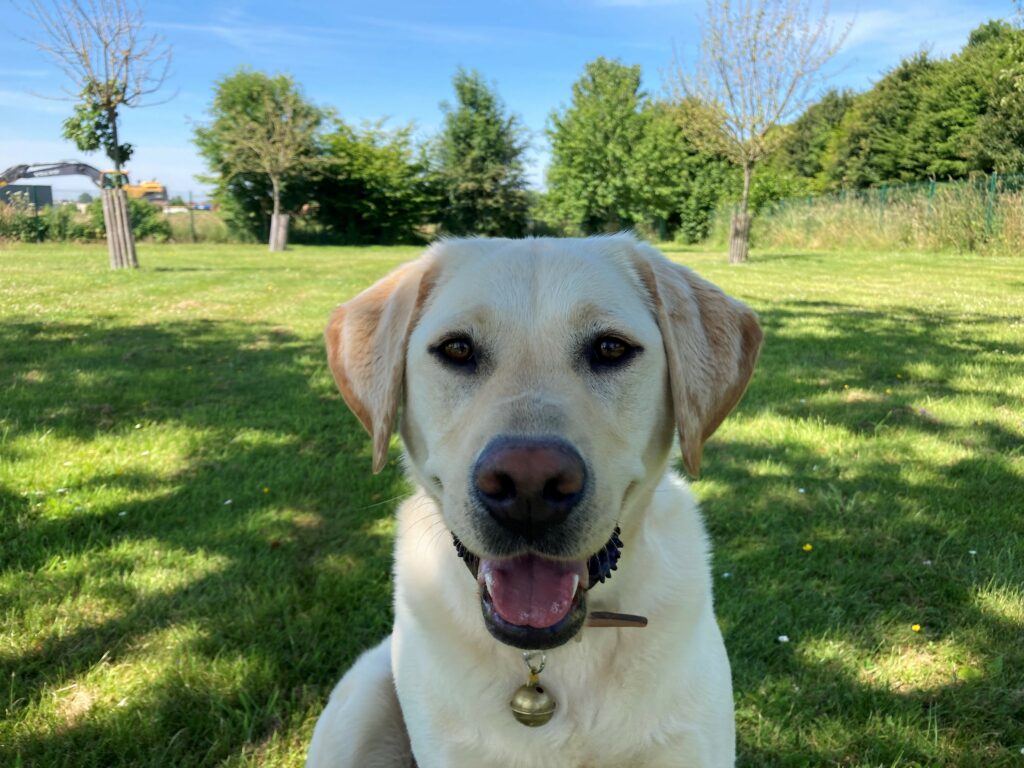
(532, 705)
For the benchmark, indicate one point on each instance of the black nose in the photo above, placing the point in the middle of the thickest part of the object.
(527, 484)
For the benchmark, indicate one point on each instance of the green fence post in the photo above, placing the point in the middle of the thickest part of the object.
(990, 204)
(191, 217)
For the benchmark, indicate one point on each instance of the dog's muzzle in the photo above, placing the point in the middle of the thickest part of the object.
(536, 603)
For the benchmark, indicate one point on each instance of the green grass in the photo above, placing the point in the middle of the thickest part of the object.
(147, 621)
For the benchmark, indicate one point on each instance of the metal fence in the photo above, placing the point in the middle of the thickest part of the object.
(979, 213)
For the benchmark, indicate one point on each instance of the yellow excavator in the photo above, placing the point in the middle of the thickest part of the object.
(153, 191)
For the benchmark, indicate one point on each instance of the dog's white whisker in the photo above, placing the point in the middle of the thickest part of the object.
(382, 502)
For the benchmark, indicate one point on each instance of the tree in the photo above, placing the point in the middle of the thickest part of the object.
(373, 186)
(591, 183)
(807, 149)
(877, 141)
(620, 160)
(760, 63)
(479, 163)
(933, 118)
(998, 134)
(101, 47)
(676, 186)
(263, 138)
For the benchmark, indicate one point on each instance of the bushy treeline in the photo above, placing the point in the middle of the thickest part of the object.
(930, 158)
(371, 183)
(620, 158)
(927, 118)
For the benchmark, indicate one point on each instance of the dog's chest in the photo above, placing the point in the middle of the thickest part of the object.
(607, 717)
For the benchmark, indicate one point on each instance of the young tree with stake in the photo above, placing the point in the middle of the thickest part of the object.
(760, 65)
(112, 64)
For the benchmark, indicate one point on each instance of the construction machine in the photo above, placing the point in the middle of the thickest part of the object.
(148, 190)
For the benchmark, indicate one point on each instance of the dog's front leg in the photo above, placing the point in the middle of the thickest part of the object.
(362, 725)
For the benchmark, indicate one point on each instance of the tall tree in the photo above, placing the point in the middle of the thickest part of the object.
(112, 64)
(591, 182)
(374, 186)
(760, 64)
(263, 137)
(997, 136)
(877, 141)
(620, 160)
(676, 187)
(807, 149)
(479, 161)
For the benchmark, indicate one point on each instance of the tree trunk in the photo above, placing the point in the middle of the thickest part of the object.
(120, 241)
(278, 220)
(739, 235)
(279, 232)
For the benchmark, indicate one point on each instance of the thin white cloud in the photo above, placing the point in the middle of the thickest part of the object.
(942, 30)
(867, 26)
(251, 38)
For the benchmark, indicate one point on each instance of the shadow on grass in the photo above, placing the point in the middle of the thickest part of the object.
(293, 581)
(893, 529)
(267, 598)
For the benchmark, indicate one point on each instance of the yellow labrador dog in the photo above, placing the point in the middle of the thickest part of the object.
(540, 383)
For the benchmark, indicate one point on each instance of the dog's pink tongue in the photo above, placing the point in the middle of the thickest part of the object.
(529, 590)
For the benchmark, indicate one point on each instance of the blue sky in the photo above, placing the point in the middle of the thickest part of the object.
(395, 59)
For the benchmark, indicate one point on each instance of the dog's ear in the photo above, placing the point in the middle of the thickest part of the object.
(367, 338)
(711, 341)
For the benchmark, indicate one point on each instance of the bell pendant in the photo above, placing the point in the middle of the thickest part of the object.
(531, 704)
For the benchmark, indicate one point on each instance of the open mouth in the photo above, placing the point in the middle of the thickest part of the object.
(534, 602)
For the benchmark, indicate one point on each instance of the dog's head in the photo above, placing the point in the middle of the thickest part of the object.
(541, 382)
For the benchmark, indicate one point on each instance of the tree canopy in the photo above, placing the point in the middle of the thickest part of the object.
(621, 159)
(375, 185)
(592, 175)
(927, 118)
(261, 145)
(479, 159)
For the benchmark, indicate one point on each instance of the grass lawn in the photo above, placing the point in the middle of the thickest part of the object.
(193, 549)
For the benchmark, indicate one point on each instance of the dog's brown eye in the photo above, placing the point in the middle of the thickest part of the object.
(457, 351)
(610, 349)
(611, 352)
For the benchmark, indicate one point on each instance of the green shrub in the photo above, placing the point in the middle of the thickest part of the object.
(20, 221)
(65, 223)
(148, 221)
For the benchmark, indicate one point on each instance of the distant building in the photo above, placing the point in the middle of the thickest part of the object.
(39, 196)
